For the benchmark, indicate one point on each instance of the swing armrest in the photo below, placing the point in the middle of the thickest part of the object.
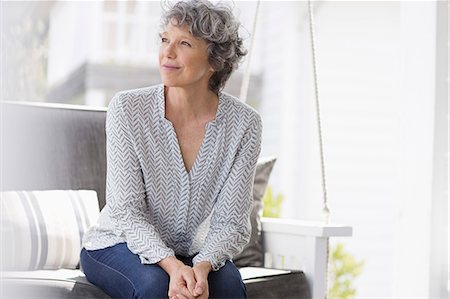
(300, 245)
(304, 228)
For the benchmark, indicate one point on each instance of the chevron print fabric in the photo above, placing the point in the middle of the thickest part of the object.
(159, 208)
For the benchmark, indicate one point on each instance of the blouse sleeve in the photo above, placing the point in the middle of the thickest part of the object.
(125, 192)
(230, 227)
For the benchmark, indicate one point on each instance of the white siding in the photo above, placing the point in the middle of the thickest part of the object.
(376, 69)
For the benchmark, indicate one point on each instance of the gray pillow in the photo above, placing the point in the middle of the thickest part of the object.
(253, 255)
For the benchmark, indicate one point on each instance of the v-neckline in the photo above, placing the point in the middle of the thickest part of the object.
(201, 151)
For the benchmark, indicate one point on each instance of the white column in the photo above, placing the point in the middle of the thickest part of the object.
(418, 48)
(439, 258)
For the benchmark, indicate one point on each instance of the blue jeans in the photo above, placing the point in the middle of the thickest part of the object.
(120, 274)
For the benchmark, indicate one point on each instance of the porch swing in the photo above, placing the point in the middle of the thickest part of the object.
(309, 241)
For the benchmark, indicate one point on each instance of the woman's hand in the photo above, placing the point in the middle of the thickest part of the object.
(182, 278)
(182, 283)
(201, 272)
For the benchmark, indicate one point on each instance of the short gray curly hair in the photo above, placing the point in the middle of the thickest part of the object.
(215, 24)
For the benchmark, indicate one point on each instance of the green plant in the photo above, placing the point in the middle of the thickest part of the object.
(272, 205)
(343, 269)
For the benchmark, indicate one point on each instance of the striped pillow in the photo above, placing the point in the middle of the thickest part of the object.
(44, 229)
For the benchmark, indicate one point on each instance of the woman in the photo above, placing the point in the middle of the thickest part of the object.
(181, 158)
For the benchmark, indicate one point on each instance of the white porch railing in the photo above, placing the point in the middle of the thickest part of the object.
(300, 245)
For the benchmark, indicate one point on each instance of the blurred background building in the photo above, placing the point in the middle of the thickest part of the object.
(383, 83)
(97, 48)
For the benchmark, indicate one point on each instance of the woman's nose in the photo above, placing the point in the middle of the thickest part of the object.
(169, 51)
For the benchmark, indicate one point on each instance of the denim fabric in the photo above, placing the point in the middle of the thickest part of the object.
(120, 274)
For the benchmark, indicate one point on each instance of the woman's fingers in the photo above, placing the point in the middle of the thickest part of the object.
(180, 293)
(201, 290)
(184, 291)
(201, 277)
(200, 287)
(182, 282)
(189, 279)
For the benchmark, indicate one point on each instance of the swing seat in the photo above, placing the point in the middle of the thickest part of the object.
(60, 147)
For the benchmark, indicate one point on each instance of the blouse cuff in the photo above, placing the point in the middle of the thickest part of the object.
(156, 258)
(215, 263)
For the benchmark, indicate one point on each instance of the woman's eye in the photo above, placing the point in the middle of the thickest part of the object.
(164, 40)
(184, 43)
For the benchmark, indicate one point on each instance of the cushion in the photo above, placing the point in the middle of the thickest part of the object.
(253, 254)
(274, 284)
(44, 229)
(46, 284)
(260, 283)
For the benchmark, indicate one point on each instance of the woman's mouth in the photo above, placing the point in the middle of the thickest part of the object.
(170, 67)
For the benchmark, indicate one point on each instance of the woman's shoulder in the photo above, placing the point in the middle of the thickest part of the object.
(138, 94)
(137, 102)
(238, 110)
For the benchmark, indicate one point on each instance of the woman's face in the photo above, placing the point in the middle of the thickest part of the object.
(183, 59)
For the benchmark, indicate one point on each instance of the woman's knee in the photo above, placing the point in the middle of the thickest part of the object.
(111, 281)
(226, 282)
(154, 284)
(120, 274)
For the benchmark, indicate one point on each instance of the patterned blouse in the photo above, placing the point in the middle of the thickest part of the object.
(159, 208)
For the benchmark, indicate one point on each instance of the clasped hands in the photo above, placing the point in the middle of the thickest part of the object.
(187, 282)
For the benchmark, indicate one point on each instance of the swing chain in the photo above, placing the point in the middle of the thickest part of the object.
(325, 210)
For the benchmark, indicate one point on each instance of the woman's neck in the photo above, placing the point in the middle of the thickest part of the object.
(189, 105)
